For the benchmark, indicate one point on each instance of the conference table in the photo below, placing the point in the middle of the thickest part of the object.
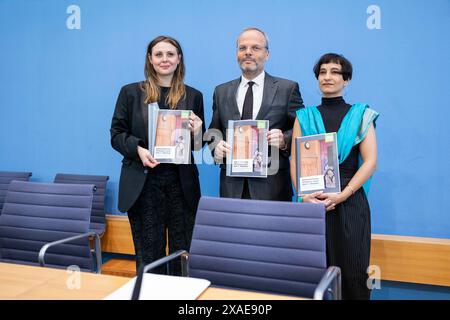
(24, 282)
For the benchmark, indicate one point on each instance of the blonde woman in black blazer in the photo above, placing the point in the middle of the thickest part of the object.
(157, 197)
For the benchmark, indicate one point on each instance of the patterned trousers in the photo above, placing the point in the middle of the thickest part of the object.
(161, 208)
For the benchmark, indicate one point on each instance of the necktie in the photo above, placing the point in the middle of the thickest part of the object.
(247, 110)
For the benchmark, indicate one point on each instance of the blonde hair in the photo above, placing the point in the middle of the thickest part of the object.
(150, 86)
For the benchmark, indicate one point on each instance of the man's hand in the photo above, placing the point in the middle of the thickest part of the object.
(275, 137)
(221, 150)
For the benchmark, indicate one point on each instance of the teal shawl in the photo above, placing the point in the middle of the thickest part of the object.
(352, 131)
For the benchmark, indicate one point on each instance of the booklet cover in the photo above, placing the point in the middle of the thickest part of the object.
(317, 163)
(169, 135)
(249, 148)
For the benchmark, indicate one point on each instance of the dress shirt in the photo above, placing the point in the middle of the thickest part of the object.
(258, 89)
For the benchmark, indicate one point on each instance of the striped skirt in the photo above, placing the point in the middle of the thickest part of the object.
(348, 236)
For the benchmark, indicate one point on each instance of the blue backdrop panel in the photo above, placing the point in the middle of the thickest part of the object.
(58, 86)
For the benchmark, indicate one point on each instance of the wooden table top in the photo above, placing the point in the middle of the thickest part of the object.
(36, 283)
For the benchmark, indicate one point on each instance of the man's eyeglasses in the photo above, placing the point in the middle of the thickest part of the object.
(255, 48)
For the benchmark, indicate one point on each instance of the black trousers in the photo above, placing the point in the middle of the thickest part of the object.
(160, 208)
(246, 190)
(348, 233)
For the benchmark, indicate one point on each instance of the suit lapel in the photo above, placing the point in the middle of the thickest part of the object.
(231, 96)
(144, 110)
(270, 88)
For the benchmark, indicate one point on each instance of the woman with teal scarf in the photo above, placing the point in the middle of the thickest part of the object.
(348, 232)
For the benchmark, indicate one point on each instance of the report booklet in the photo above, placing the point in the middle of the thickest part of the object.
(317, 164)
(169, 135)
(249, 148)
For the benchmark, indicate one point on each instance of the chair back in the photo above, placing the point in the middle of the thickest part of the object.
(5, 178)
(269, 246)
(98, 220)
(37, 213)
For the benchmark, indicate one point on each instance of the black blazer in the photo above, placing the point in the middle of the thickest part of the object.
(281, 100)
(129, 128)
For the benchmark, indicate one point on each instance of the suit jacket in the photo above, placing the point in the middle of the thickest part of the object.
(129, 128)
(281, 100)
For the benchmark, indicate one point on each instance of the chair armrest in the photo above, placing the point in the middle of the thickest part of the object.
(165, 260)
(97, 248)
(331, 283)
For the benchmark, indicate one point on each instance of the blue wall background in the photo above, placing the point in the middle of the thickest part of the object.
(58, 87)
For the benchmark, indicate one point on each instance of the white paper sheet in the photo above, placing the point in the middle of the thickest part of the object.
(161, 287)
(312, 183)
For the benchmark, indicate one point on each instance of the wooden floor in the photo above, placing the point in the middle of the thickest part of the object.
(120, 267)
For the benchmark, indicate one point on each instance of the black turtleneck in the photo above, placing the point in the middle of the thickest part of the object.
(333, 111)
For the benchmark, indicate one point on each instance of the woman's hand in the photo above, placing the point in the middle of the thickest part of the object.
(331, 200)
(312, 197)
(195, 124)
(146, 157)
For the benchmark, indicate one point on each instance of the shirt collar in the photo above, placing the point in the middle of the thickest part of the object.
(259, 80)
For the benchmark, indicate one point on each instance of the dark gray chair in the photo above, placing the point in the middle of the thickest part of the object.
(47, 224)
(269, 246)
(98, 219)
(5, 178)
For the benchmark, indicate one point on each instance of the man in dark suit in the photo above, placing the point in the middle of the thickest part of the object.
(256, 95)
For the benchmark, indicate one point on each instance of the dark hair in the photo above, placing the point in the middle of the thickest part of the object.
(347, 69)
